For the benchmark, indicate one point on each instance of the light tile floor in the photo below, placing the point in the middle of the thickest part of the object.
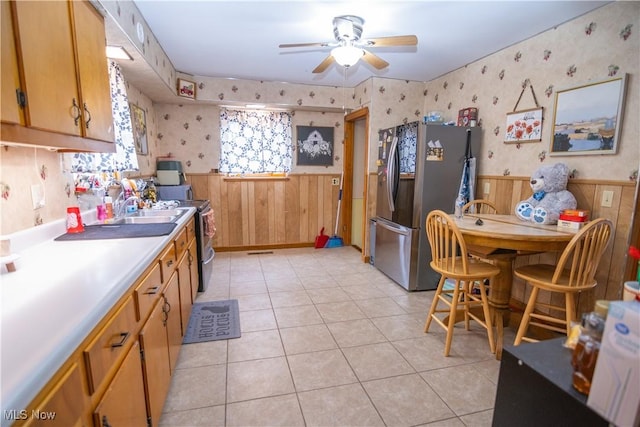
(328, 341)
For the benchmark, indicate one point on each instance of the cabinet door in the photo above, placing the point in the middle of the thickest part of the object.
(64, 405)
(174, 329)
(157, 374)
(193, 269)
(48, 65)
(93, 71)
(110, 344)
(11, 111)
(123, 403)
(184, 279)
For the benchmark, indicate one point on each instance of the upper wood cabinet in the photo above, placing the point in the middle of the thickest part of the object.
(93, 72)
(11, 111)
(60, 53)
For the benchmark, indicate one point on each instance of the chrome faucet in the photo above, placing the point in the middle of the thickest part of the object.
(120, 204)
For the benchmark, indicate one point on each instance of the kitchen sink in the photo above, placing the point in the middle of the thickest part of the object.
(145, 219)
(151, 216)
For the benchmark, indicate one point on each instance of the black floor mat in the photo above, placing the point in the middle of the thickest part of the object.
(119, 231)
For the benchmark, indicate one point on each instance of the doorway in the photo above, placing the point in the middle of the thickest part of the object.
(356, 180)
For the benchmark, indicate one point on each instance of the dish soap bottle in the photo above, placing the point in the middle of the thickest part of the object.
(108, 203)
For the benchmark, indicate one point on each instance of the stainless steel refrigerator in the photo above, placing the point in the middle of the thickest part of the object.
(416, 174)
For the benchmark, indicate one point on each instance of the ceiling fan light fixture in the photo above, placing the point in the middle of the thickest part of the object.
(347, 55)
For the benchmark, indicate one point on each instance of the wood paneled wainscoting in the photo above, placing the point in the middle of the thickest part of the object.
(615, 267)
(507, 191)
(268, 212)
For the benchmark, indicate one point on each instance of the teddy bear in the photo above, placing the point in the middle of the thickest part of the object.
(550, 195)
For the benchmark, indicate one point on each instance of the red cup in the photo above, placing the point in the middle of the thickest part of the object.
(74, 221)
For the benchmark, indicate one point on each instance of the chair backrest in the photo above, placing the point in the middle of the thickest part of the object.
(446, 243)
(583, 253)
(481, 206)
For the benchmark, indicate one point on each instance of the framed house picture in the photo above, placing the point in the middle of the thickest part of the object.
(314, 145)
(186, 88)
(524, 126)
(139, 125)
(587, 119)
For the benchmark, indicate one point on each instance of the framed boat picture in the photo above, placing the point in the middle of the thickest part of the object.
(587, 119)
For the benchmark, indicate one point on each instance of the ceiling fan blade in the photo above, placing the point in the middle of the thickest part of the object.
(324, 64)
(374, 60)
(319, 44)
(392, 41)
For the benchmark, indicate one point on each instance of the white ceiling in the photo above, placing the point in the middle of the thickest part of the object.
(239, 39)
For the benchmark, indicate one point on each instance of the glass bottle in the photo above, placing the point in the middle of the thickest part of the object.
(585, 355)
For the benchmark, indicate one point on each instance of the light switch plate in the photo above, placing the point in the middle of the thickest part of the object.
(37, 196)
(607, 199)
(487, 188)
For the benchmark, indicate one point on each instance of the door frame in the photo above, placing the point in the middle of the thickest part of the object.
(347, 192)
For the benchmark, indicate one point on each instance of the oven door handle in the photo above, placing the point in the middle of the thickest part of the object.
(212, 255)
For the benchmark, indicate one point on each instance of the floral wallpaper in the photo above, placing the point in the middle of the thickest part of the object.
(601, 44)
(594, 47)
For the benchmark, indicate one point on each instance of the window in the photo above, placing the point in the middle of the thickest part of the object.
(407, 140)
(255, 141)
(125, 156)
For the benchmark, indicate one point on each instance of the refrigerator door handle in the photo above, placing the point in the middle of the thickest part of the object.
(393, 227)
(391, 174)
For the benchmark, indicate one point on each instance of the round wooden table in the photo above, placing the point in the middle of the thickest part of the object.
(501, 238)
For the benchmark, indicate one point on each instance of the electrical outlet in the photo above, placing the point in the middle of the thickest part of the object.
(607, 199)
(37, 196)
(487, 188)
(335, 181)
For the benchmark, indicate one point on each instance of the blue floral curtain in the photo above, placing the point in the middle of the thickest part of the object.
(125, 156)
(255, 141)
(407, 140)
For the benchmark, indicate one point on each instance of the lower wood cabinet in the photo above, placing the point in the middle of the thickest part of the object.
(156, 366)
(120, 375)
(193, 269)
(184, 278)
(110, 344)
(123, 404)
(174, 321)
(64, 405)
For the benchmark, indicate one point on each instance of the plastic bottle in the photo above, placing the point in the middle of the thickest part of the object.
(585, 355)
(458, 208)
(108, 203)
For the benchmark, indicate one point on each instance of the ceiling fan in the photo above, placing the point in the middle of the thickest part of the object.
(349, 48)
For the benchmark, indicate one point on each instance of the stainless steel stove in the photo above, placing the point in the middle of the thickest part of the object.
(206, 253)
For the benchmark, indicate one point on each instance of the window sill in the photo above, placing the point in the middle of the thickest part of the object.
(257, 177)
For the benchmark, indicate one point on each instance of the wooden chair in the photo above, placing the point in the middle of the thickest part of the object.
(575, 272)
(449, 258)
(481, 206)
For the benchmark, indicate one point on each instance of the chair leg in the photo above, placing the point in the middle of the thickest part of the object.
(434, 304)
(487, 317)
(452, 318)
(524, 323)
(465, 298)
(569, 302)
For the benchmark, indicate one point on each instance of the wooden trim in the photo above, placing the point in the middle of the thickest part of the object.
(349, 121)
(13, 134)
(255, 178)
(262, 247)
(571, 181)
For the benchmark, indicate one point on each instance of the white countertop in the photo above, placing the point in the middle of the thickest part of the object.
(59, 292)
